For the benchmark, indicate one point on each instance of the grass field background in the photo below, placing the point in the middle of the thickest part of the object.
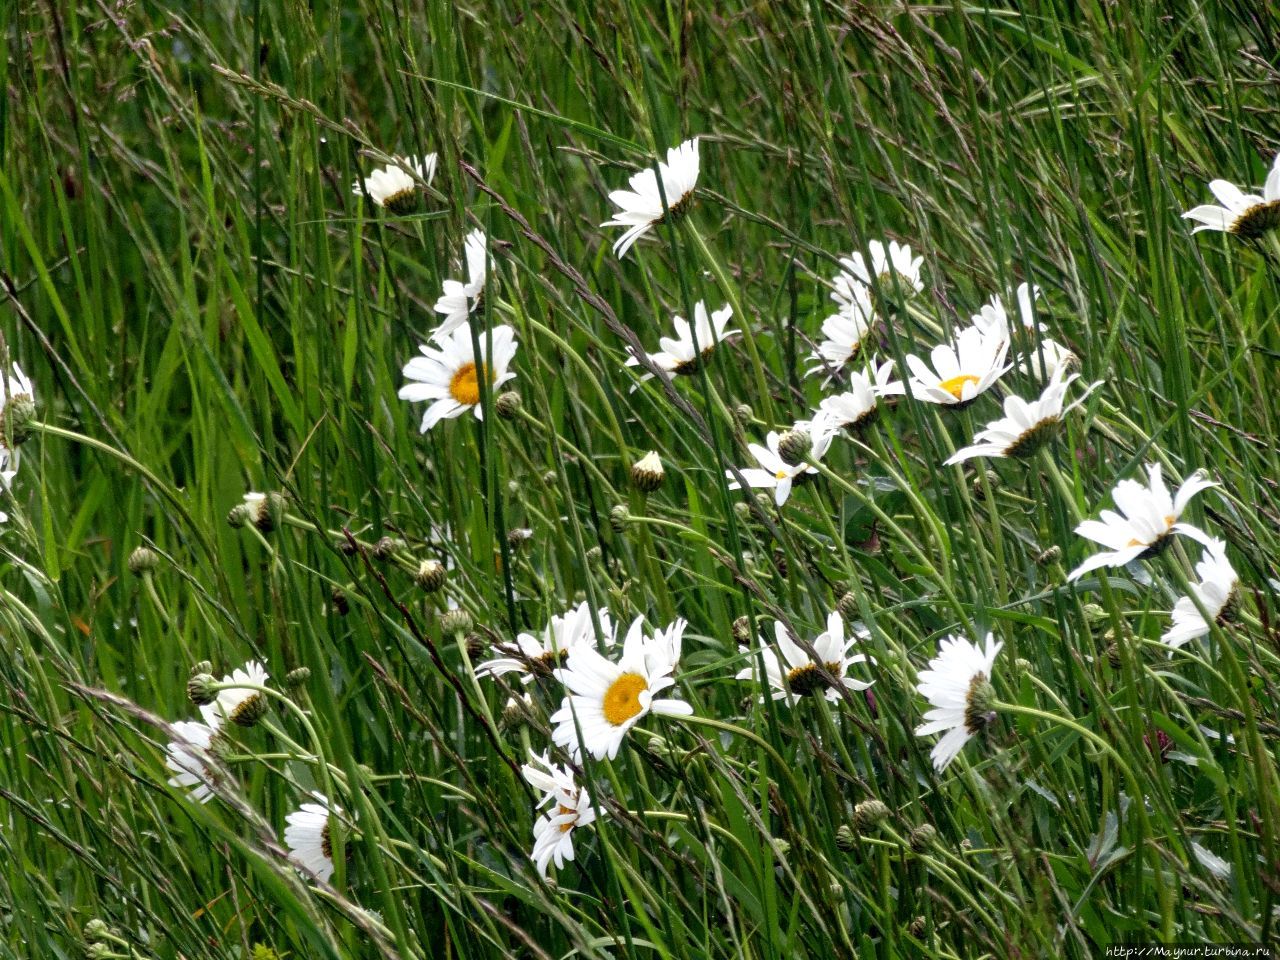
(205, 308)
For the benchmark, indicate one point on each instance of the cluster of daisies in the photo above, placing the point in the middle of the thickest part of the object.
(238, 700)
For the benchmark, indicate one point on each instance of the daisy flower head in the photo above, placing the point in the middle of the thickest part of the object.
(235, 702)
(1046, 359)
(792, 673)
(886, 266)
(1217, 593)
(962, 370)
(857, 407)
(641, 208)
(777, 471)
(1148, 517)
(188, 756)
(1244, 214)
(606, 699)
(1025, 426)
(395, 186)
(691, 346)
(539, 656)
(993, 320)
(17, 408)
(458, 299)
(448, 375)
(957, 685)
(569, 807)
(845, 331)
(308, 837)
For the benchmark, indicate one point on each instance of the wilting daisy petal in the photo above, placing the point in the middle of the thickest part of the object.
(458, 299)
(447, 374)
(775, 472)
(607, 699)
(307, 835)
(792, 673)
(845, 331)
(1244, 214)
(691, 347)
(958, 687)
(641, 208)
(1216, 592)
(1025, 426)
(569, 808)
(1148, 517)
(961, 370)
(189, 759)
(539, 656)
(396, 186)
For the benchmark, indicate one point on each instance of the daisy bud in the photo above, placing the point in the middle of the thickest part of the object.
(980, 489)
(923, 837)
(100, 951)
(269, 513)
(794, 446)
(619, 517)
(869, 814)
(919, 928)
(430, 576)
(1051, 555)
(647, 473)
(239, 515)
(780, 847)
(518, 537)
(848, 607)
(201, 689)
(456, 621)
(743, 414)
(507, 405)
(516, 713)
(388, 547)
(595, 554)
(143, 560)
(846, 839)
(338, 597)
(296, 677)
(742, 511)
(97, 929)
(978, 711)
(475, 645)
(17, 413)
(551, 478)
(742, 631)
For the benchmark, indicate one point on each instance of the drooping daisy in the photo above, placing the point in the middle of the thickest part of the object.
(570, 808)
(962, 370)
(682, 356)
(844, 332)
(1244, 214)
(538, 656)
(883, 264)
(775, 471)
(395, 186)
(1148, 517)
(791, 673)
(1046, 359)
(237, 703)
(308, 837)
(607, 699)
(449, 376)
(993, 320)
(188, 756)
(458, 299)
(1216, 592)
(1025, 427)
(958, 686)
(856, 407)
(641, 208)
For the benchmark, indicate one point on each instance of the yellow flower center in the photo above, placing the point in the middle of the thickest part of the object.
(622, 699)
(955, 386)
(465, 384)
(568, 824)
(781, 475)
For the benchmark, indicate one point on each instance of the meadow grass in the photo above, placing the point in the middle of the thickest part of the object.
(206, 308)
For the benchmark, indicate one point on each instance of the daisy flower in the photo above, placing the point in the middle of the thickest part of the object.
(1216, 593)
(17, 407)
(235, 703)
(1244, 214)
(570, 808)
(308, 837)
(692, 346)
(538, 656)
(791, 673)
(1025, 427)
(775, 471)
(962, 369)
(8, 470)
(459, 299)
(1046, 360)
(395, 186)
(641, 208)
(607, 699)
(993, 320)
(1148, 517)
(856, 407)
(188, 756)
(958, 686)
(845, 331)
(883, 264)
(449, 376)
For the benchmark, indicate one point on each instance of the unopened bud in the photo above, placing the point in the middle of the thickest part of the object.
(507, 405)
(456, 621)
(869, 814)
(201, 689)
(848, 607)
(96, 929)
(431, 575)
(846, 839)
(1051, 555)
(794, 446)
(919, 928)
(18, 412)
(338, 598)
(742, 631)
(518, 537)
(475, 645)
(647, 472)
(387, 547)
(297, 677)
(143, 560)
(923, 837)
(619, 517)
